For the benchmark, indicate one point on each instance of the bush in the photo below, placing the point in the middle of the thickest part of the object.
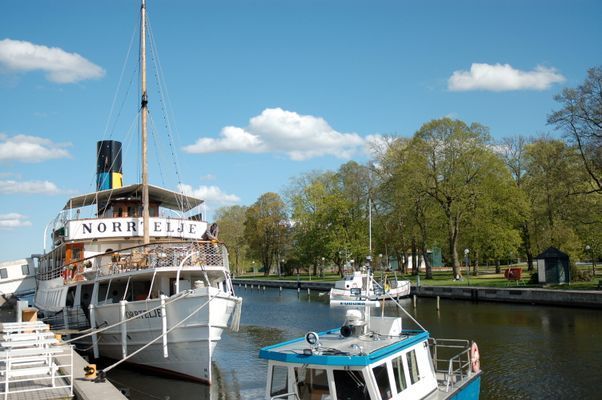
(534, 278)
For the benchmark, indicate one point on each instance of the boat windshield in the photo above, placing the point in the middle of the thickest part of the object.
(312, 384)
(350, 385)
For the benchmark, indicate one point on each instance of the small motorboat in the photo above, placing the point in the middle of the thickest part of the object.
(372, 358)
(361, 284)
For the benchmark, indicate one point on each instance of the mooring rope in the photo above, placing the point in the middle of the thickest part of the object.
(110, 367)
(93, 331)
(397, 303)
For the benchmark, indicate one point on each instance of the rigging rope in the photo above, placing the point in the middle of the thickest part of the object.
(397, 303)
(110, 367)
(93, 331)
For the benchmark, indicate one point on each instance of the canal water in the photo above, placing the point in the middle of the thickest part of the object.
(527, 352)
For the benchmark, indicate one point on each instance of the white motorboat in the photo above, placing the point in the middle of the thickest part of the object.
(144, 273)
(360, 284)
(17, 278)
(372, 358)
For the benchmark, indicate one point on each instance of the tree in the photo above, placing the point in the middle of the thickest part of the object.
(513, 151)
(452, 160)
(580, 118)
(232, 232)
(266, 228)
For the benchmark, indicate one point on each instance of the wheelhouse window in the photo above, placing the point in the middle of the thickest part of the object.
(3, 273)
(312, 384)
(350, 385)
(399, 374)
(279, 385)
(412, 366)
(25, 269)
(382, 381)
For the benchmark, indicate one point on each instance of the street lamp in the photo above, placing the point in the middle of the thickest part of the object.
(467, 261)
(322, 268)
(254, 269)
(591, 256)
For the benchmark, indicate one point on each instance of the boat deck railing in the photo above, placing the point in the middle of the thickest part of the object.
(155, 255)
(294, 395)
(451, 359)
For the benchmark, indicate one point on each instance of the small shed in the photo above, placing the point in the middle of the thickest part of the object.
(553, 266)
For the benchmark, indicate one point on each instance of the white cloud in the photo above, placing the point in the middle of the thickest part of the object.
(503, 77)
(211, 194)
(208, 177)
(276, 130)
(13, 220)
(28, 187)
(30, 149)
(59, 65)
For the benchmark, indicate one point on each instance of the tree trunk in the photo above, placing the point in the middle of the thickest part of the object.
(475, 270)
(427, 262)
(453, 246)
(527, 243)
(415, 266)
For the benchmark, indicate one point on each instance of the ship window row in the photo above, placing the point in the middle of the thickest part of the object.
(391, 378)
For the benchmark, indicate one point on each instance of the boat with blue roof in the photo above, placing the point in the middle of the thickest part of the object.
(372, 358)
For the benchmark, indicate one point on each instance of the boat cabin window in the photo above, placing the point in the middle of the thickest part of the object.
(412, 366)
(382, 381)
(312, 384)
(25, 269)
(3, 273)
(279, 383)
(350, 385)
(399, 374)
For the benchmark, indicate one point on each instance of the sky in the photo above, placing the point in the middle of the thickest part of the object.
(255, 93)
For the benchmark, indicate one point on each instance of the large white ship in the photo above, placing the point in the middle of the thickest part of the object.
(145, 274)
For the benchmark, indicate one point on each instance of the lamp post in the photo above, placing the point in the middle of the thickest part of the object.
(467, 261)
(254, 268)
(322, 268)
(591, 257)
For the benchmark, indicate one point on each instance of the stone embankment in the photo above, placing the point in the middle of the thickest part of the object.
(565, 298)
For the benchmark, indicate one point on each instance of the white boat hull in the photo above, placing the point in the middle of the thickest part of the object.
(205, 312)
(345, 294)
(189, 346)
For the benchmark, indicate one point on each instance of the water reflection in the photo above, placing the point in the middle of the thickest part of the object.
(526, 352)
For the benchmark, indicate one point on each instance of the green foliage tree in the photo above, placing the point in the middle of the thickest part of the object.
(266, 229)
(580, 118)
(232, 232)
(452, 161)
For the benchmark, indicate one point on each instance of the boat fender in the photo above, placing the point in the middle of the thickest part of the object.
(475, 358)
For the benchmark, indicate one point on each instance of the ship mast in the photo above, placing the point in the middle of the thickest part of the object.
(143, 122)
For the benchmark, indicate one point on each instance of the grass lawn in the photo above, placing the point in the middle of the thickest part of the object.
(486, 278)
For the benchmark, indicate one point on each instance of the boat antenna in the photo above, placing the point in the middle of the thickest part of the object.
(143, 121)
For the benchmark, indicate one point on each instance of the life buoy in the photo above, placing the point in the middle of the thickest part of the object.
(475, 357)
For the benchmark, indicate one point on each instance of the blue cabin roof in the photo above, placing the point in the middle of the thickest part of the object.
(338, 350)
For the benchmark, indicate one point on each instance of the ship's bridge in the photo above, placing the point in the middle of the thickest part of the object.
(119, 214)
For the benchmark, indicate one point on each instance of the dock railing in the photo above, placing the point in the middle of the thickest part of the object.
(451, 360)
(33, 360)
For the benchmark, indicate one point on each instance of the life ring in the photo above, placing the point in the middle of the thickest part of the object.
(475, 358)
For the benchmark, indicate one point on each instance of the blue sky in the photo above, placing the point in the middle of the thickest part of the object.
(263, 91)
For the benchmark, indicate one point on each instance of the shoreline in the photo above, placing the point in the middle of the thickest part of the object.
(532, 296)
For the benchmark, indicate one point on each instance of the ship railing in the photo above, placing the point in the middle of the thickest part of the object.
(156, 255)
(286, 396)
(451, 360)
(69, 319)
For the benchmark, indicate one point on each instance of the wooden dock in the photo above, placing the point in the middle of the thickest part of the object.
(35, 365)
